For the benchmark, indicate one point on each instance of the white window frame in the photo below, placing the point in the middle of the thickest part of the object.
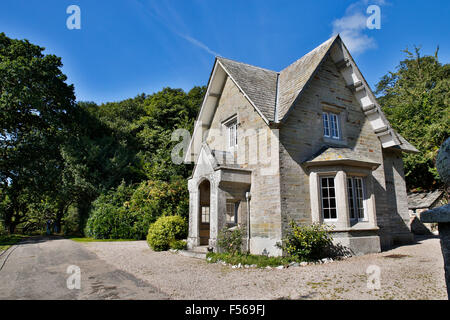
(322, 199)
(355, 200)
(331, 125)
(232, 127)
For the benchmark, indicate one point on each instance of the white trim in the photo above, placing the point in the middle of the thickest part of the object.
(207, 94)
(321, 199)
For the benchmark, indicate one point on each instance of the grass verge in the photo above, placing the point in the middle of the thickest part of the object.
(249, 259)
(7, 241)
(86, 239)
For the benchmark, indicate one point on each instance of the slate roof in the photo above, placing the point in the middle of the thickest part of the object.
(259, 84)
(418, 200)
(294, 78)
(334, 154)
(274, 93)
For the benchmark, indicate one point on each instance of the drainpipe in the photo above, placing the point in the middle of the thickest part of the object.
(248, 196)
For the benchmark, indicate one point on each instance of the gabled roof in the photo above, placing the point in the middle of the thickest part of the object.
(295, 77)
(259, 84)
(273, 94)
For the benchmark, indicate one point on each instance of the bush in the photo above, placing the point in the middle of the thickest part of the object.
(153, 199)
(230, 240)
(178, 244)
(165, 230)
(110, 216)
(307, 242)
(128, 212)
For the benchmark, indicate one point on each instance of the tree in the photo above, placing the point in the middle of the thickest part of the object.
(415, 100)
(35, 107)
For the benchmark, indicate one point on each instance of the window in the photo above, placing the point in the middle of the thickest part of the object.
(331, 125)
(232, 132)
(205, 214)
(356, 198)
(328, 195)
(232, 212)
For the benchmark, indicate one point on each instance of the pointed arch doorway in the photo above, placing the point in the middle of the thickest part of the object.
(204, 212)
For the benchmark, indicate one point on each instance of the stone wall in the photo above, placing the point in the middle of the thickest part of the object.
(257, 151)
(302, 136)
(396, 200)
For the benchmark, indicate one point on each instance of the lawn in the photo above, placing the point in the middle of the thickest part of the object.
(87, 239)
(7, 241)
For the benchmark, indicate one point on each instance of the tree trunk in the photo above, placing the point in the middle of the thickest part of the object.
(12, 227)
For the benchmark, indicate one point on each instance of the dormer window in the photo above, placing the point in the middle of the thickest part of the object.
(231, 126)
(331, 126)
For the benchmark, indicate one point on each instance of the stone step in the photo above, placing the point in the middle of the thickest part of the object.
(202, 249)
(193, 254)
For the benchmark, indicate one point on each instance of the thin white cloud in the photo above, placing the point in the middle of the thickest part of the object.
(170, 18)
(353, 25)
(199, 44)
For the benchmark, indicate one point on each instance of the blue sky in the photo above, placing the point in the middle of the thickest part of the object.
(125, 48)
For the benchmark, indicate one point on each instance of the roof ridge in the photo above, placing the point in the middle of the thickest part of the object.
(311, 51)
(250, 65)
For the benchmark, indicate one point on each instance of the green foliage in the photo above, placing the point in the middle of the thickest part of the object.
(7, 240)
(415, 100)
(85, 239)
(178, 244)
(155, 198)
(306, 242)
(230, 240)
(110, 217)
(248, 259)
(165, 230)
(36, 107)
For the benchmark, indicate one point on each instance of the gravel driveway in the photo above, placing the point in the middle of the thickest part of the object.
(408, 272)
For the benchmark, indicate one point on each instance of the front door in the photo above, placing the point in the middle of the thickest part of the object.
(204, 225)
(204, 212)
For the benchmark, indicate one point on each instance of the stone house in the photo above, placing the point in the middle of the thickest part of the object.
(309, 143)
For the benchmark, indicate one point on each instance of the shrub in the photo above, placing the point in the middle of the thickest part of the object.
(307, 242)
(153, 199)
(230, 240)
(178, 244)
(110, 216)
(165, 230)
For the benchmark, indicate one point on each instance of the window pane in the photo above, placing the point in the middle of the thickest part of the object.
(205, 214)
(328, 198)
(356, 198)
(351, 205)
(326, 125)
(331, 182)
(333, 214)
(334, 125)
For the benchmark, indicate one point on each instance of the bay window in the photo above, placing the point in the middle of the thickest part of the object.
(355, 192)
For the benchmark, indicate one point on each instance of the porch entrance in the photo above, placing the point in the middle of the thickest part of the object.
(204, 212)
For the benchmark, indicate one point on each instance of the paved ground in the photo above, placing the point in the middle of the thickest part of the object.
(408, 272)
(37, 269)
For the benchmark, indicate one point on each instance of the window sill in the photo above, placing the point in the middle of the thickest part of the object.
(360, 226)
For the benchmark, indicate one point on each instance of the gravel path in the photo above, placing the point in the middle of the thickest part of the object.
(408, 272)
